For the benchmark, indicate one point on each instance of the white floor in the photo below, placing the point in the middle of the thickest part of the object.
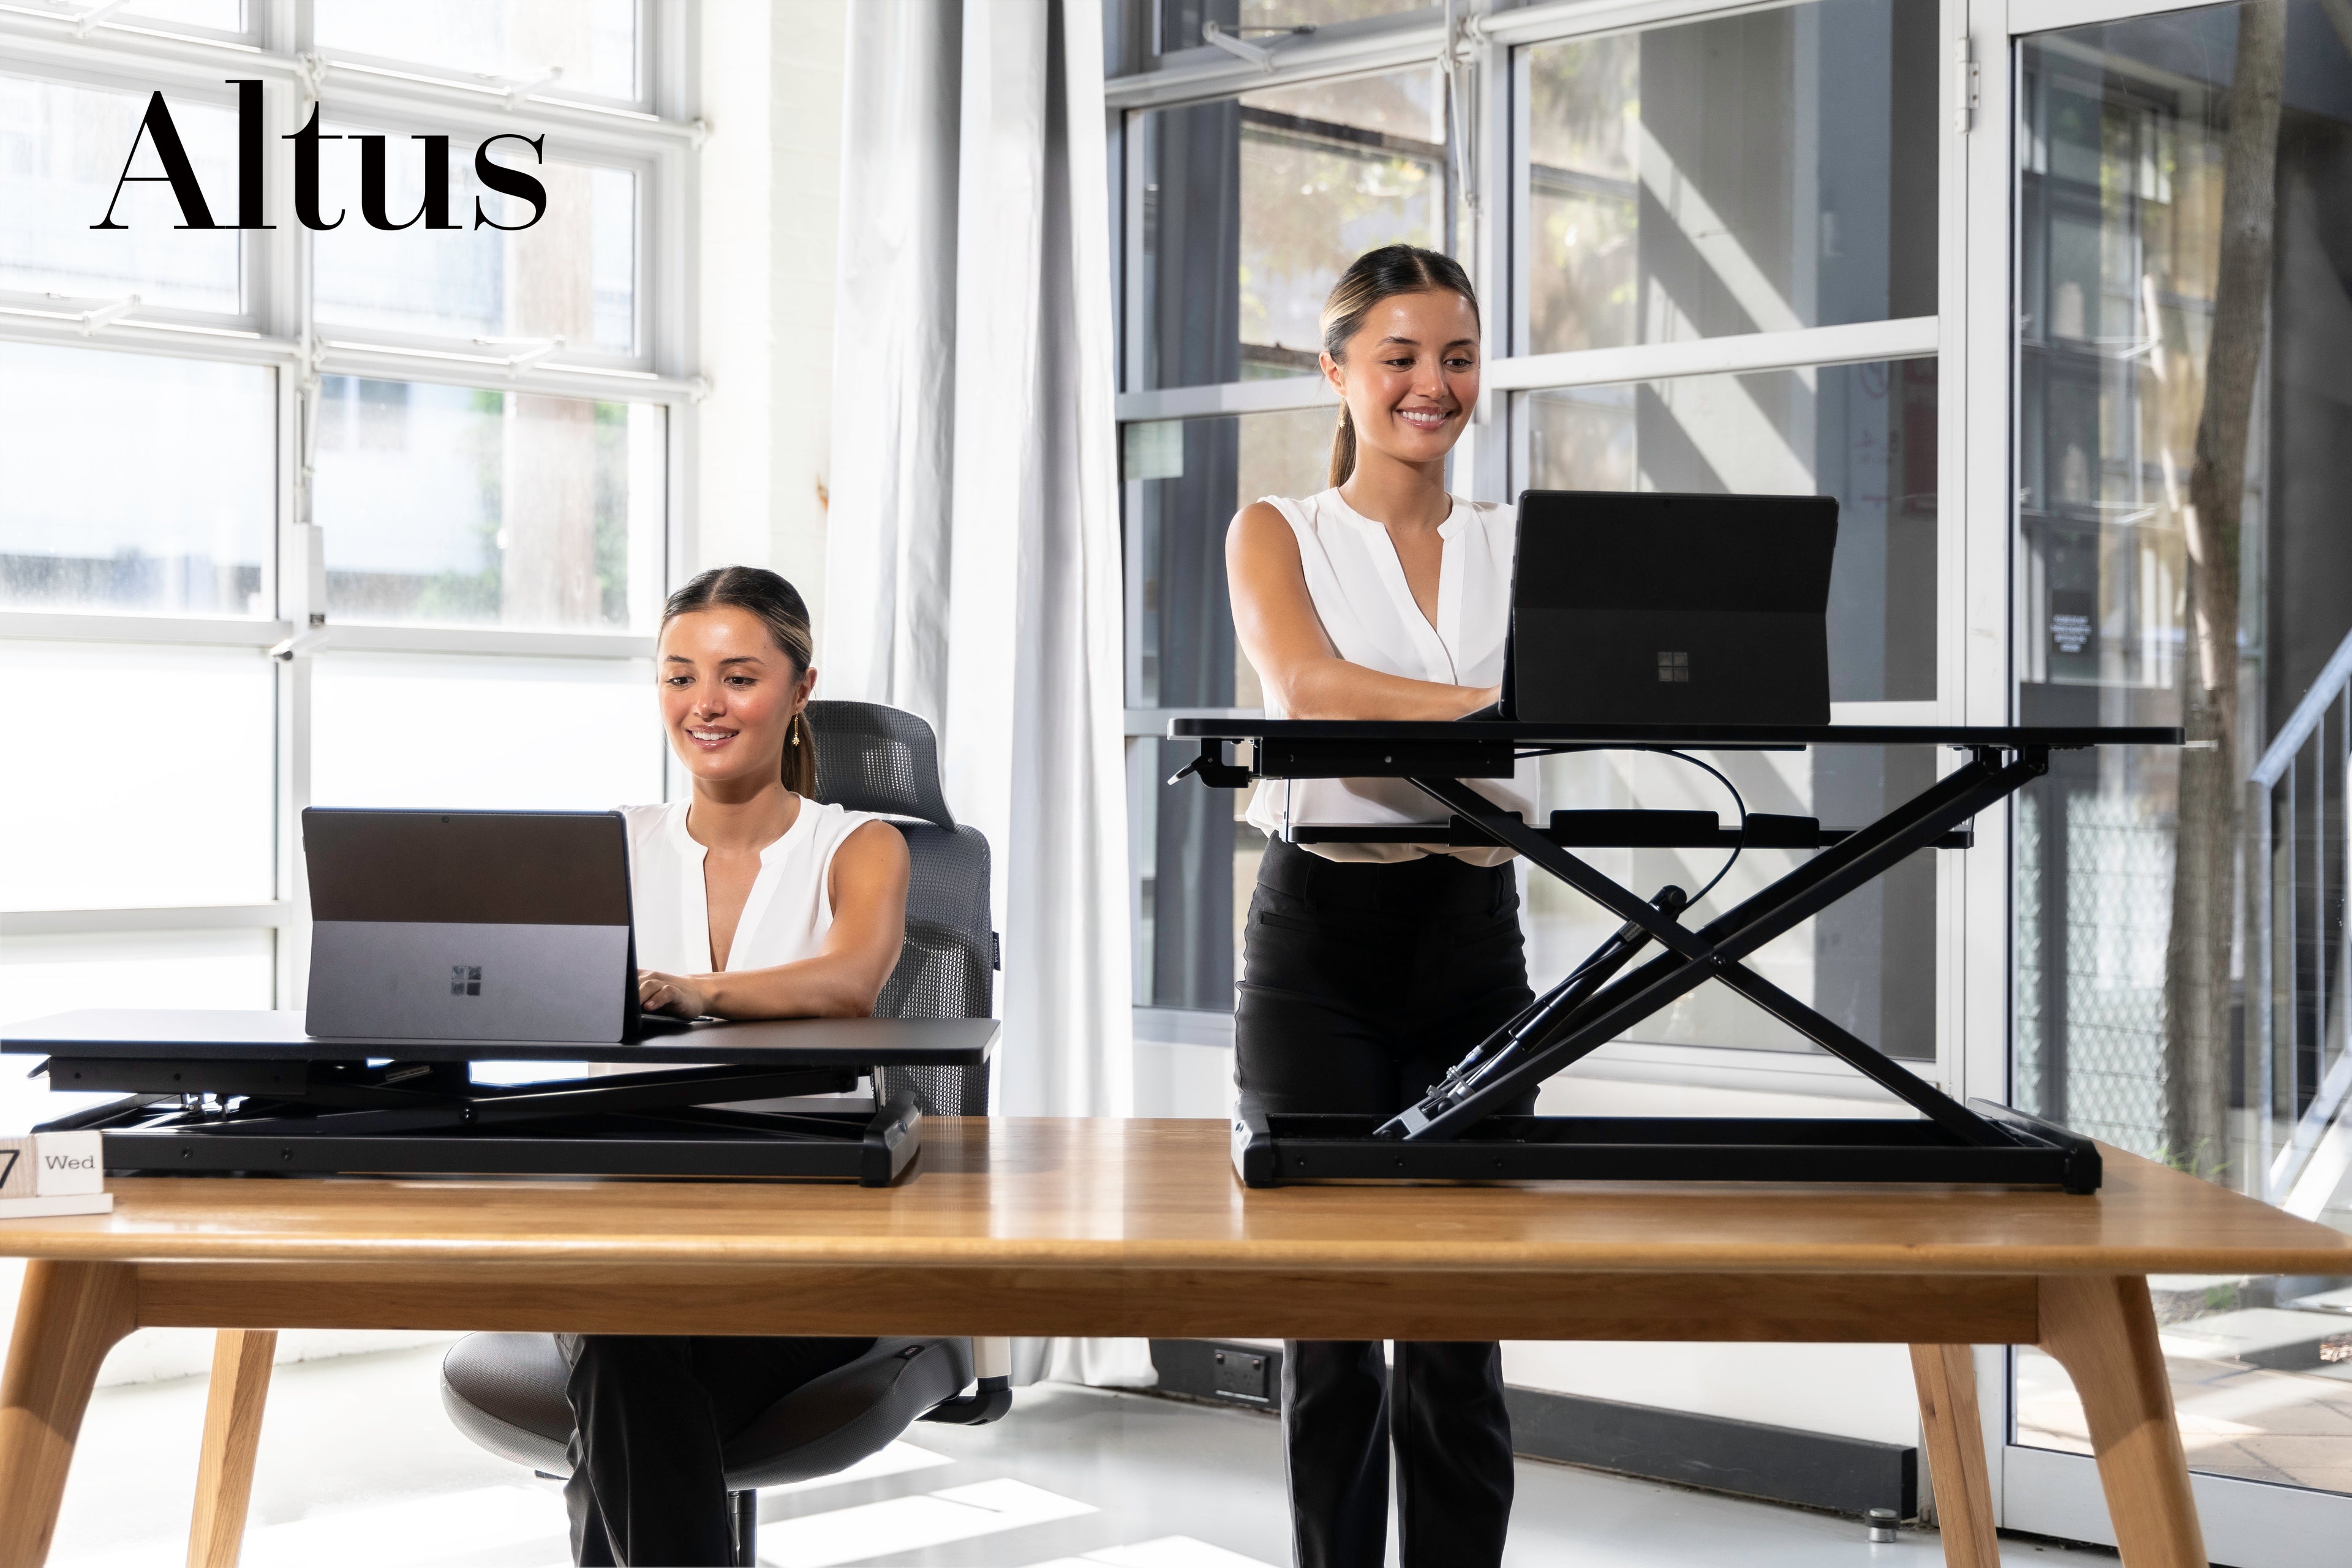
(360, 1468)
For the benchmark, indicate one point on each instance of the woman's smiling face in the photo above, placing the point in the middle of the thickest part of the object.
(727, 694)
(1411, 377)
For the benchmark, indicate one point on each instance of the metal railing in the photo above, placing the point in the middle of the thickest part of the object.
(2299, 973)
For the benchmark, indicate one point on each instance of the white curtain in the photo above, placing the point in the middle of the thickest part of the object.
(891, 474)
(973, 552)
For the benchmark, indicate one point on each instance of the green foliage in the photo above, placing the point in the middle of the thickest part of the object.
(2201, 1161)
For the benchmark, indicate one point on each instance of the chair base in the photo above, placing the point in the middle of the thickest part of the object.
(989, 1400)
(745, 1506)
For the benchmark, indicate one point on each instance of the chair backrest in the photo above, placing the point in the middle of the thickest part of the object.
(879, 759)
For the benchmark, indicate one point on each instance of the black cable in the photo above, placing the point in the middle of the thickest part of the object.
(1738, 844)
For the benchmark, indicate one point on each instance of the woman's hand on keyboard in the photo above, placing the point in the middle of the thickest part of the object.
(678, 993)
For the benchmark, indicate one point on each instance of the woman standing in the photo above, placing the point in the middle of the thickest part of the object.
(1368, 970)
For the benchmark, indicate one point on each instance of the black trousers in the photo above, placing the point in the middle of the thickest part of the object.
(1360, 984)
(649, 1413)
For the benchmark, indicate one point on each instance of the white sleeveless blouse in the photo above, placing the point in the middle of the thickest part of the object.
(1367, 611)
(785, 918)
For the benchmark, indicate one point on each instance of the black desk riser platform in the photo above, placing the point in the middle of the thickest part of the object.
(216, 1091)
(1456, 1132)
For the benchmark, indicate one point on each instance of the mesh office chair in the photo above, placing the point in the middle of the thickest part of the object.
(505, 1391)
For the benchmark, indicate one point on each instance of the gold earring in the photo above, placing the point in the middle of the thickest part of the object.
(796, 729)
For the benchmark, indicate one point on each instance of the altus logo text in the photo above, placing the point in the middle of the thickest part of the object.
(156, 130)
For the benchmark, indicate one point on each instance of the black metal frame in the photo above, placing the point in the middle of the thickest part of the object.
(1454, 1131)
(218, 1113)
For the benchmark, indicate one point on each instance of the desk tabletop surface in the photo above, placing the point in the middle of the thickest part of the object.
(214, 1032)
(1067, 1193)
(1460, 730)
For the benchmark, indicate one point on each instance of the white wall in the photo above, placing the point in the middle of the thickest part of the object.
(770, 193)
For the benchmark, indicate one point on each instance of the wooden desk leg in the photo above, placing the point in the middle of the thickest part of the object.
(2102, 1330)
(233, 1405)
(1946, 1376)
(69, 1316)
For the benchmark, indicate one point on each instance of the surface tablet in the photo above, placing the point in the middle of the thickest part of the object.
(470, 925)
(1641, 607)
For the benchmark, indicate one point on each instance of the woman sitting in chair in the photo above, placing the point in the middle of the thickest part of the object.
(751, 901)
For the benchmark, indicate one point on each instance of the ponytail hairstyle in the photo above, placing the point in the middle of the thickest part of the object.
(779, 607)
(1375, 276)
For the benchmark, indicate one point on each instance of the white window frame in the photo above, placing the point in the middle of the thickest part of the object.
(449, 80)
(657, 139)
(652, 168)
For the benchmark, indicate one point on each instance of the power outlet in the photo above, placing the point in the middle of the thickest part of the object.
(1241, 1374)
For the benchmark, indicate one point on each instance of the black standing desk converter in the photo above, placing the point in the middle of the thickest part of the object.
(1455, 1131)
(215, 1091)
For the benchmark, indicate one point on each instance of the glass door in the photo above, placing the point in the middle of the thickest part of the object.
(2181, 352)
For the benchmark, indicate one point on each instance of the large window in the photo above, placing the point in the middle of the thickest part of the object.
(1708, 255)
(1758, 172)
(364, 516)
(1253, 207)
(183, 527)
(2180, 943)
(1241, 212)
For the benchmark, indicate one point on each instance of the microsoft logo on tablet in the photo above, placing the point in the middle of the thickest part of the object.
(1674, 668)
(465, 979)
(156, 131)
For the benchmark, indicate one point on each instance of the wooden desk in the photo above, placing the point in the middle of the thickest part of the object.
(1139, 1228)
